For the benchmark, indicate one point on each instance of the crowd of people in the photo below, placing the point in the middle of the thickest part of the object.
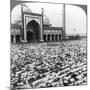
(52, 64)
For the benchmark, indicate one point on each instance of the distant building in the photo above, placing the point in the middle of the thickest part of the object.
(34, 27)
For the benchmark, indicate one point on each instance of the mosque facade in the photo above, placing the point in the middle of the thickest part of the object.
(35, 27)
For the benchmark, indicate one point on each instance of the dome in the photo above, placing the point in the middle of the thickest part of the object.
(46, 20)
(16, 17)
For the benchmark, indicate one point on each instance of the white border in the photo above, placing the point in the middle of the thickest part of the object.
(5, 49)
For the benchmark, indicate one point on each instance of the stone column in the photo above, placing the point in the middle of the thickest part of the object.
(58, 37)
(24, 36)
(61, 37)
(46, 37)
(54, 37)
(14, 39)
(25, 32)
(20, 39)
(50, 37)
(41, 34)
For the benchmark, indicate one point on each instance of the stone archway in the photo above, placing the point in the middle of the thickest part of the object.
(48, 37)
(56, 37)
(33, 31)
(60, 37)
(44, 37)
(17, 38)
(12, 38)
(29, 36)
(52, 37)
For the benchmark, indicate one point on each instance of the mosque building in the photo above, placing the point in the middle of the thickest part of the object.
(35, 27)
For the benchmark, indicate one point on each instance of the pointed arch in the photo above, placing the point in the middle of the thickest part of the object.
(33, 27)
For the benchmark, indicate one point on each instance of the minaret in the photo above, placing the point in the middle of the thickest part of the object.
(42, 14)
(22, 29)
(64, 20)
(23, 33)
(41, 34)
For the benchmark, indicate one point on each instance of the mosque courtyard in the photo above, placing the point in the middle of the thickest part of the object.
(49, 64)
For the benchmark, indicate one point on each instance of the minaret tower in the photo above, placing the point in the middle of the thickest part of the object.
(64, 20)
(42, 12)
(22, 28)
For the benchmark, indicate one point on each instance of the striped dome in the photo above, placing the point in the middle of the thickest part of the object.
(17, 16)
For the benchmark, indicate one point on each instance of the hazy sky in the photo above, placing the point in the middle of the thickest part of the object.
(75, 16)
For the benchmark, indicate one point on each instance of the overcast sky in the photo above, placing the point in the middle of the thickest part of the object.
(75, 16)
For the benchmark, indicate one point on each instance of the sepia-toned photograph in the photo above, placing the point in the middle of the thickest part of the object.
(48, 44)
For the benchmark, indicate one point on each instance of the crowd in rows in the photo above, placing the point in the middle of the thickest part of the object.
(52, 64)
